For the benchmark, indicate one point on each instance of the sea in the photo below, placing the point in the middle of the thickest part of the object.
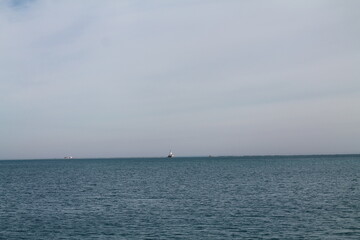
(249, 197)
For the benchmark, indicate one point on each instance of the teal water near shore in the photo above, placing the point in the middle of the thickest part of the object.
(265, 197)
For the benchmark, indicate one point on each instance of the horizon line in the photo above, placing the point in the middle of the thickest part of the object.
(189, 156)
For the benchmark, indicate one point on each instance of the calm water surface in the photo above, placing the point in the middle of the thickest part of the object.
(303, 197)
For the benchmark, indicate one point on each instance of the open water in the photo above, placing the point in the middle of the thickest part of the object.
(299, 197)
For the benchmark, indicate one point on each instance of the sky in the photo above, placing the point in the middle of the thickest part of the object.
(112, 78)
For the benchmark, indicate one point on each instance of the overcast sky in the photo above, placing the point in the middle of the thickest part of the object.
(133, 78)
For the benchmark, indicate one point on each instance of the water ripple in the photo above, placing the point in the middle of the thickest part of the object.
(181, 198)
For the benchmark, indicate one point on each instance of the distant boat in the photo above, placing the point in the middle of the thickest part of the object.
(170, 155)
(69, 157)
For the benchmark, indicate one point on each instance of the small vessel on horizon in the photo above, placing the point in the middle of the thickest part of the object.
(170, 155)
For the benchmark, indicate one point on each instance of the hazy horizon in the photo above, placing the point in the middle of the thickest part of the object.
(136, 79)
(189, 156)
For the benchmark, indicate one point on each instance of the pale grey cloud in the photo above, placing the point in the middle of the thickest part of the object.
(128, 78)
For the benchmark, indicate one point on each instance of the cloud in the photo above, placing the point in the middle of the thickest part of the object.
(130, 72)
(18, 4)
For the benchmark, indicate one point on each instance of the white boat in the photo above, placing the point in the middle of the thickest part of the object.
(170, 155)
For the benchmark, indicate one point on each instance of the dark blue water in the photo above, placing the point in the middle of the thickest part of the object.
(304, 197)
